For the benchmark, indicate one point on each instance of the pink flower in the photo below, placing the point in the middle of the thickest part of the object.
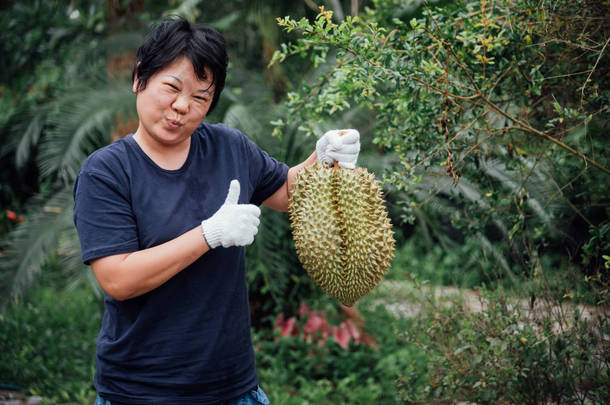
(352, 329)
(315, 321)
(11, 215)
(287, 327)
(342, 336)
(327, 330)
(316, 329)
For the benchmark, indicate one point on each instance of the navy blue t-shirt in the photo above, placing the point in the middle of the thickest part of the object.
(187, 341)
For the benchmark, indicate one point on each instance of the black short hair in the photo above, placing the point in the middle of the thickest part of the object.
(175, 37)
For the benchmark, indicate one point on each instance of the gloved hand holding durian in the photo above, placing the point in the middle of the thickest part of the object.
(340, 145)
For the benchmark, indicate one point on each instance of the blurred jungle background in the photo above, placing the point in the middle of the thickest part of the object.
(486, 122)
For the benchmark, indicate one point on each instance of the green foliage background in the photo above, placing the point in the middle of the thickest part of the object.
(487, 122)
(490, 115)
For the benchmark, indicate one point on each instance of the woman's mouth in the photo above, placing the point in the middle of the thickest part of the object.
(173, 124)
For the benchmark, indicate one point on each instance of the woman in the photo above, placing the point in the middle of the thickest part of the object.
(163, 215)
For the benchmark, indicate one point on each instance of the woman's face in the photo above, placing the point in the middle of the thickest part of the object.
(173, 104)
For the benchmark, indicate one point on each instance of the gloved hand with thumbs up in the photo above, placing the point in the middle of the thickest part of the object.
(233, 224)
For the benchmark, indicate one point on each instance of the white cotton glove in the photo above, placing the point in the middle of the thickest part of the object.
(233, 224)
(341, 145)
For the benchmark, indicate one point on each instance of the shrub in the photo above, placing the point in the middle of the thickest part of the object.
(507, 354)
(306, 360)
(48, 344)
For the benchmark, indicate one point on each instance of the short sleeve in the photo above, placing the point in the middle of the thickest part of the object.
(103, 216)
(267, 175)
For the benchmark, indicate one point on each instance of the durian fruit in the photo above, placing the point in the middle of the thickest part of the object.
(342, 233)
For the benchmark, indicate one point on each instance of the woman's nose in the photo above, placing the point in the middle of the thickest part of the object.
(181, 104)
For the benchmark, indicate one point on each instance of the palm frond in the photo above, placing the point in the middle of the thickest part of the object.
(497, 255)
(80, 122)
(241, 117)
(511, 181)
(20, 133)
(28, 247)
(436, 182)
(72, 266)
(30, 135)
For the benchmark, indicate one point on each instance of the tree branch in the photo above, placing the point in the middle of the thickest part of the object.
(524, 126)
(582, 91)
(521, 124)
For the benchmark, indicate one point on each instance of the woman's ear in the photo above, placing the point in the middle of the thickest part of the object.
(134, 87)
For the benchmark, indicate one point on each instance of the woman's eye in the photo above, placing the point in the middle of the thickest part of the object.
(172, 86)
(202, 99)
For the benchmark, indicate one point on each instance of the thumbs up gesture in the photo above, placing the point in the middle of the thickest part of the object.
(233, 224)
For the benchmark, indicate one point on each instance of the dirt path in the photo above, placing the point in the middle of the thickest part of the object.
(404, 299)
